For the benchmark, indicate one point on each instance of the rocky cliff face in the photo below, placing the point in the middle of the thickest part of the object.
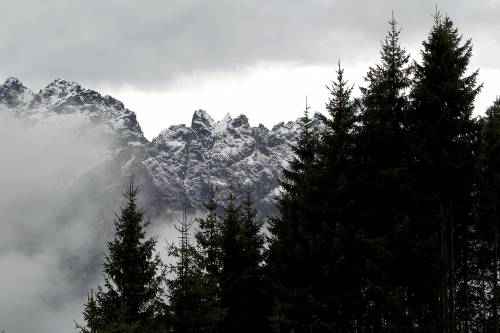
(228, 153)
(177, 167)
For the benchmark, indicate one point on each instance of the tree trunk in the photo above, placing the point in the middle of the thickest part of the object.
(452, 286)
(495, 275)
(444, 272)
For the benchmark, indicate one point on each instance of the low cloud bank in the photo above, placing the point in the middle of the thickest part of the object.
(54, 218)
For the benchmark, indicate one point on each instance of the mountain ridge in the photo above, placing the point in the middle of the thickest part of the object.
(181, 162)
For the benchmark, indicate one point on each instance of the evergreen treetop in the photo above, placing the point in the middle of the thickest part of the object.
(443, 92)
(189, 308)
(385, 97)
(131, 299)
(340, 106)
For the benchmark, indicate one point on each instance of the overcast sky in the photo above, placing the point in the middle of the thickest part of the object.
(164, 59)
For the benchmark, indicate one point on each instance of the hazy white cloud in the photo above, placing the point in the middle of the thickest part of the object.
(54, 221)
(60, 190)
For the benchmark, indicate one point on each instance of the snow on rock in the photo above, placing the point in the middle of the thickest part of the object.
(14, 94)
(184, 161)
(177, 167)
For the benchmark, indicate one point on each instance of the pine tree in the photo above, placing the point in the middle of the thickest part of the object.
(288, 257)
(243, 294)
(314, 249)
(186, 289)
(443, 137)
(488, 200)
(493, 111)
(340, 235)
(131, 299)
(381, 150)
(254, 302)
(209, 238)
(342, 114)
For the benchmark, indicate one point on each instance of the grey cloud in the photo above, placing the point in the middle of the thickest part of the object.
(54, 220)
(59, 194)
(151, 43)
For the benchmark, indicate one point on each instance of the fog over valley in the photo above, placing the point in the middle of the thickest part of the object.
(55, 218)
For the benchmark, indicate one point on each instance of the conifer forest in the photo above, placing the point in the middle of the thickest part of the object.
(389, 217)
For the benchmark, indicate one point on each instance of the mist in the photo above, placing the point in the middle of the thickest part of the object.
(57, 202)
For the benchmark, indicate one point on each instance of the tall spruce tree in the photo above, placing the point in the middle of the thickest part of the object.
(343, 247)
(189, 310)
(381, 150)
(209, 240)
(440, 180)
(290, 256)
(209, 236)
(486, 302)
(131, 299)
(243, 294)
(314, 251)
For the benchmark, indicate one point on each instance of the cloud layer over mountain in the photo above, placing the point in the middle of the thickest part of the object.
(151, 43)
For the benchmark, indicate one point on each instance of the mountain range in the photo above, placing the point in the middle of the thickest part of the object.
(176, 168)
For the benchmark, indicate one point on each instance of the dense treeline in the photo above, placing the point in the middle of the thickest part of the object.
(389, 220)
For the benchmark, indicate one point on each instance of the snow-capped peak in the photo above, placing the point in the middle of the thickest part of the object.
(14, 94)
(68, 97)
(202, 121)
(12, 82)
(63, 86)
(58, 91)
(241, 121)
(222, 125)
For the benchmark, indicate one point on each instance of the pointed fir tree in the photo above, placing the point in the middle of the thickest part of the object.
(385, 97)
(288, 256)
(131, 299)
(186, 289)
(337, 145)
(209, 237)
(382, 149)
(443, 139)
(488, 201)
(305, 152)
(243, 297)
(253, 303)
(493, 112)
(341, 119)
(341, 235)
(315, 274)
